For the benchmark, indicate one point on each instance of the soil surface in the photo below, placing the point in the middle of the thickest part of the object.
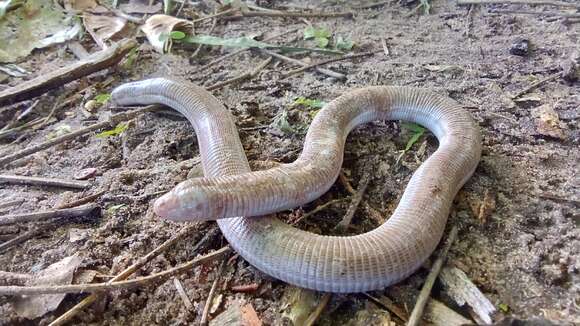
(518, 216)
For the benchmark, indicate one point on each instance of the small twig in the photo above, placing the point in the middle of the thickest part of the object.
(40, 181)
(389, 305)
(45, 215)
(537, 84)
(560, 199)
(81, 201)
(385, 46)
(417, 313)
(315, 65)
(113, 121)
(324, 71)
(537, 13)
(133, 268)
(200, 46)
(8, 132)
(10, 203)
(371, 5)
(182, 294)
(519, 2)
(9, 278)
(221, 13)
(356, 199)
(23, 237)
(295, 14)
(319, 208)
(212, 292)
(27, 111)
(234, 53)
(316, 313)
(110, 286)
(245, 288)
(241, 77)
(373, 212)
(59, 77)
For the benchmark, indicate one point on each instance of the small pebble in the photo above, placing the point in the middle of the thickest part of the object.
(85, 174)
(520, 47)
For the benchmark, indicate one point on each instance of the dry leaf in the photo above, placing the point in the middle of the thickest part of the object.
(548, 123)
(34, 25)
(236, 314)
(483, 208)
(158, 27)
(59, 273)
(103, 28)
(451, 69)
(80, 5)
(141, 7)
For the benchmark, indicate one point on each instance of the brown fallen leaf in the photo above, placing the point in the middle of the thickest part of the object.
(548, 123)
(141, 7)
(158, 27)
(483, 208)
(236, 314)
(103, 28)
(80, 4)
(59, 273)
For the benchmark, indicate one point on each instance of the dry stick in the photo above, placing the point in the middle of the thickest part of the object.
(519, 2)
(81, 201)
(320, 208)
(316, 313)
(246, 75)
(113, 120)
(199, 46)
(538, 13)
(417, 313)
(356, 199)
(45, 215)
(59, 77)
(225, 12)
(9, 132)
(295, 14)
(324, 71)
(389, 305)
(234, 53)
(9, 278)
(315, 65)
(371, 5)
(212, 292)
(110, 286)
(182, 294)
(40, 181)
(132, 269)
(23, 237)
(537, 84)
(373, 212)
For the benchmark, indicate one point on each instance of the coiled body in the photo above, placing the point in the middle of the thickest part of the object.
(364, 262)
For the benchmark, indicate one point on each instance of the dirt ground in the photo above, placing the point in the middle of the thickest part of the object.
(521, 249)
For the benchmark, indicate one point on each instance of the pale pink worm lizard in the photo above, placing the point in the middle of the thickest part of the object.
(364, 262)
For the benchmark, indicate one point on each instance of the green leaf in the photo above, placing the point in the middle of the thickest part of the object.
(114, 208)
(113, 132)
(313, 32)
(102, 98)
(413, 127)
(59, 131)
(413, 139)
(177, 35)
(343, 44)
(246, 42)
(311, 103)
(322, 42)
(281, 121)
(503, 307)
